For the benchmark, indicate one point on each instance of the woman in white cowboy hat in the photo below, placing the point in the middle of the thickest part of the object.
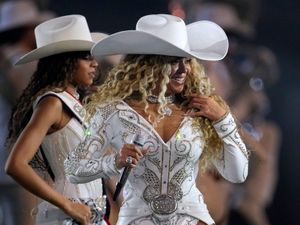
(48, 121)
(160, 92)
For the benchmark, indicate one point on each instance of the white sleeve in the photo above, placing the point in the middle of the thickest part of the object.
(234, 165)
(90, 161)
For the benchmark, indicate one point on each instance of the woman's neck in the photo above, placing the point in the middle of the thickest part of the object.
(73, 91)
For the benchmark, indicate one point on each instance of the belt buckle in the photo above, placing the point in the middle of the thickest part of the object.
(164, 204)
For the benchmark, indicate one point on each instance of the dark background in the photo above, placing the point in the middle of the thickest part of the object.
(278, 27)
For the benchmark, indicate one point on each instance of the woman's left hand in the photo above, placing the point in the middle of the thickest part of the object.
(206, 106)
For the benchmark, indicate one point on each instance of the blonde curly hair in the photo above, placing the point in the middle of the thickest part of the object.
(136, 78)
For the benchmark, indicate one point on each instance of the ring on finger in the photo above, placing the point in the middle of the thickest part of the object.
(129, 160)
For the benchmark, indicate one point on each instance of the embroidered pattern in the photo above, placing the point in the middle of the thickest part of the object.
(238, 141)
(166, 174)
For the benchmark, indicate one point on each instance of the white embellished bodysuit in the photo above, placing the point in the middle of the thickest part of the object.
(56, 147)
(161, 189)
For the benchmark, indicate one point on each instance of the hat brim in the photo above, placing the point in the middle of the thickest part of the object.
(56, 48)
(139, 42)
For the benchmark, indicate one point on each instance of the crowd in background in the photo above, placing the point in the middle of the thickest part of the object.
(242, 79)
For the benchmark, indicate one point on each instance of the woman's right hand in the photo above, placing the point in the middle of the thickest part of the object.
(78, 211)
(129, 150)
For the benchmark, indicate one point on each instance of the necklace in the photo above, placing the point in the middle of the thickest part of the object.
(154, 99)
(169, 99)
(74, 94)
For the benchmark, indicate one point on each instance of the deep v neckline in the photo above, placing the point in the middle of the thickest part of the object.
(153, 130)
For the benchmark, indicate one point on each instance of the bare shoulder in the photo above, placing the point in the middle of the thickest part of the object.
(50, 101)
(50, 108)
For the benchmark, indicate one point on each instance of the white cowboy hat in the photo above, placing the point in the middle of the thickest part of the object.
(62, 34)
(14, 14)
(165, 34)
(98, 36)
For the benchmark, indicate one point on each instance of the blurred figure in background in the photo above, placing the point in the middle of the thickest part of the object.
(217, 191)
(253, 68)
(17, 22)
(225, 14)
(241, 81)
(8, 188)
(249, 67)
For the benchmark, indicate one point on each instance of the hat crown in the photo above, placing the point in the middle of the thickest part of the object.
(165, 26)
(65, 28)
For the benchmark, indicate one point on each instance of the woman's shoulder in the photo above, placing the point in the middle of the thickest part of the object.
(49, 95)
(111, 106)
(48, 98)
(49, 107)
(108, 109)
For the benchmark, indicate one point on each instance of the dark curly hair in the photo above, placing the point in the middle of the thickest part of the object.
(52, 73)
